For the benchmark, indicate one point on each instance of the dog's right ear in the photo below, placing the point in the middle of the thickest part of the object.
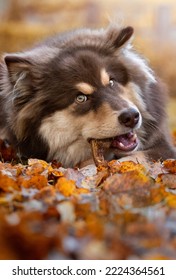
(117, 38)
(18, 67)
(123, 37)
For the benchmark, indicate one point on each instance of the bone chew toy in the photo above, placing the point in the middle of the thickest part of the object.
(98, 148)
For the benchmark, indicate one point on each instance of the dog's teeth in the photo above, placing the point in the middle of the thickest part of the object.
(121, 144)
(134, 137)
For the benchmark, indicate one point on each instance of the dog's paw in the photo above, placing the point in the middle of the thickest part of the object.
(137, 157)
(86, 163)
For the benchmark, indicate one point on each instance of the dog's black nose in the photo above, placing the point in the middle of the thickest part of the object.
(129, 117)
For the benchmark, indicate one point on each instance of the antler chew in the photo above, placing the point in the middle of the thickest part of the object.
(98, 148)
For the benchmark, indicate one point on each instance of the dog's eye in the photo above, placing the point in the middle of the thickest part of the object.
(111, 82)
(81, 98)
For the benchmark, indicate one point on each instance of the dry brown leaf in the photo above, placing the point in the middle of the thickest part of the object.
(115, 211)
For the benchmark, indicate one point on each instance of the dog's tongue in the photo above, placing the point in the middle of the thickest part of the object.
(125, 142)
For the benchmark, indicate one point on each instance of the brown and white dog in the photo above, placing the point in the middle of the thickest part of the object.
(82, 85)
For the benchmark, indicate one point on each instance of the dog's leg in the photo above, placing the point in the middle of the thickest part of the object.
(137, 157)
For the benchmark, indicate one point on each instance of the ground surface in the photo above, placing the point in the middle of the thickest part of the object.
(125, 211)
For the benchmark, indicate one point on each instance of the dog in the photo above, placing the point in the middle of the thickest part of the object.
(81, 85)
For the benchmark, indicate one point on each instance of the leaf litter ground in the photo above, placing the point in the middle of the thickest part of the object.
(122, 211)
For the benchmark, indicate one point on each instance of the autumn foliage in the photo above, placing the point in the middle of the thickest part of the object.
(121, 211)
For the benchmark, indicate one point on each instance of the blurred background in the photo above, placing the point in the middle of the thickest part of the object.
(23, 22)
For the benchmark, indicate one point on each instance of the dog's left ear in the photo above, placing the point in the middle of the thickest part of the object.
(17, 66)
(123, 37)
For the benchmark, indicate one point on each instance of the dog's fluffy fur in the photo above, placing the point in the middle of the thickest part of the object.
(74, 87)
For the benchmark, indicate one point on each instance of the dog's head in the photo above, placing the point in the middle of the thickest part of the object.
(77, 87)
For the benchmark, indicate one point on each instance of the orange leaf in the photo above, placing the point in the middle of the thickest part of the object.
(65, 186)
(127, 166)
(126, 181)
(95, 225)
(171, 200)
(170, 165)
(7, 184)
(81, 191)
(36, 181)
(35, 169)
(44, 164)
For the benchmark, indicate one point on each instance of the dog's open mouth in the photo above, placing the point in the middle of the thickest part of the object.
(125, 142)
(122, 143)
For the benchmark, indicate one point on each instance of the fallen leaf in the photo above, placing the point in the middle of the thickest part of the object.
(170, 165)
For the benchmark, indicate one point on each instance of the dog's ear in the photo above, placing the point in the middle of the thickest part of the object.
(123, 37)
(116, 37)
(18, 67)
